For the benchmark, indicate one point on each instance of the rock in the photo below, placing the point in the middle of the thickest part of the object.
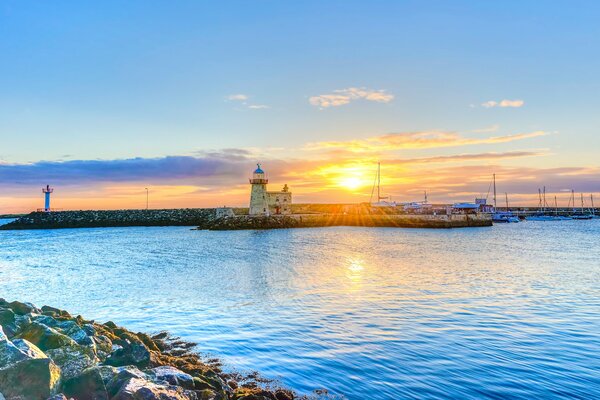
(173, 376)
(89, 385)
(55, 312)
(7, 316)
(9, 353)
(59, 396)
(281, 394)
(103, 346)
(44, 337)
(35, 378)
(141, 389)
(121, 376)
(129, 354)
(22, 308)
(8, 321)
(73, 359)
(30, 349)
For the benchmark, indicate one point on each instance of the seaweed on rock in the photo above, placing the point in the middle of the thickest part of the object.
(48, 354)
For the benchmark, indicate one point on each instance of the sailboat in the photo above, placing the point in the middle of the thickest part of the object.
(581, 214)
(542, 215)
(506, 216)
(380, 199)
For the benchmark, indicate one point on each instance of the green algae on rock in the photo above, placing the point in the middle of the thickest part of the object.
(48, 354)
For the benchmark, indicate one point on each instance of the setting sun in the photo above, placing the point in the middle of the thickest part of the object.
(351, 182)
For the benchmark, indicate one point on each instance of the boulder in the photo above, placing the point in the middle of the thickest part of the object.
(7, 316)
(32, 378)
(30, 349)
(141, 389)
(73, 359)
(9, 353)
(55, 312)
(122, 375)
(22, 308)
(128, 353)
(89, 385)
(172, 376)
(59, 396)
(44, 337)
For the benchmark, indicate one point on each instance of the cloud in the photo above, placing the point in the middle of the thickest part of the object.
(224, 165)
(493, 128)
(470, 157)
(243, 100)
(503, 103)
(237, 97)
(342, 97)
(257, 106)
(417, 140)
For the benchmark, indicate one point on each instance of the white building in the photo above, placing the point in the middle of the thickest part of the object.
(263, 202)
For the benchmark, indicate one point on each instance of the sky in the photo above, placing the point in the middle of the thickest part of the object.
(104, 99)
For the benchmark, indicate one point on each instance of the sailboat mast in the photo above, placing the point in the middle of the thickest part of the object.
(494, 192)
(378, 181)
(582, 203)
(506, 196)
(545, 202)
(555, 206)
(592, 199)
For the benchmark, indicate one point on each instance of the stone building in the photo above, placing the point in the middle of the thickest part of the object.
(263, 202)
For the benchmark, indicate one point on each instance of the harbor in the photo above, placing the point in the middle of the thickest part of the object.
(276, 210)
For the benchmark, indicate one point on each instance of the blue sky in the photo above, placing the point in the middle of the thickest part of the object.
(152, 79)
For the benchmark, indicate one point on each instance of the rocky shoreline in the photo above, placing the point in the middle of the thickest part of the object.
(46, 353)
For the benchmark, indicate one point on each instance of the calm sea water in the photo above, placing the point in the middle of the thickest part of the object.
(511, 311)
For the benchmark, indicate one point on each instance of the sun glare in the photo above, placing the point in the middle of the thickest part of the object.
(351, 182)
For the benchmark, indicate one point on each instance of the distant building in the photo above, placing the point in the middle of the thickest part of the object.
(263, 202)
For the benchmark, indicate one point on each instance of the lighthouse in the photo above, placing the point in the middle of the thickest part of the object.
(259, 202)
(47, 190)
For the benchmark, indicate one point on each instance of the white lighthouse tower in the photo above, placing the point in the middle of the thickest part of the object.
(259, 201)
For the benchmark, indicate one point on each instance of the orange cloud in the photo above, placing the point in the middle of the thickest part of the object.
(417, 140)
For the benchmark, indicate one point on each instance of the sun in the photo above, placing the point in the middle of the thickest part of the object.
(350, 182)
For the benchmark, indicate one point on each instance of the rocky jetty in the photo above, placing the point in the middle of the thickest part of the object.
(112, 218)
(323, 220)
(45, 353)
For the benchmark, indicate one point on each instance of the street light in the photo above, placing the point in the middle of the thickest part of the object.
(146, 198)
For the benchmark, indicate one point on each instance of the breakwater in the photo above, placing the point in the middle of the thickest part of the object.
(367, 220)
(48, 353)
(208, 218)
(112, 218)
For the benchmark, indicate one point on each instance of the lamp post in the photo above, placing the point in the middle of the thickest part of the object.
(146, 198)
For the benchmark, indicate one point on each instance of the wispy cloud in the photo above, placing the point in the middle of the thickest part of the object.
(342, 97)
(417, 140)
(489, 156)
(257, 106)
(242, 99)
(237, 97)
(503, 103)
(492, 128)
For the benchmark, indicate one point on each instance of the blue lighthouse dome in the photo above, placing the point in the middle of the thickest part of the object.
(259, 170)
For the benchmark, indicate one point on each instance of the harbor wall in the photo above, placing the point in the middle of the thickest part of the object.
(324, 220)
(112, 218)
(206, 218)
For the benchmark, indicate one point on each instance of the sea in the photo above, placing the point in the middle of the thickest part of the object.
(504, 312)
